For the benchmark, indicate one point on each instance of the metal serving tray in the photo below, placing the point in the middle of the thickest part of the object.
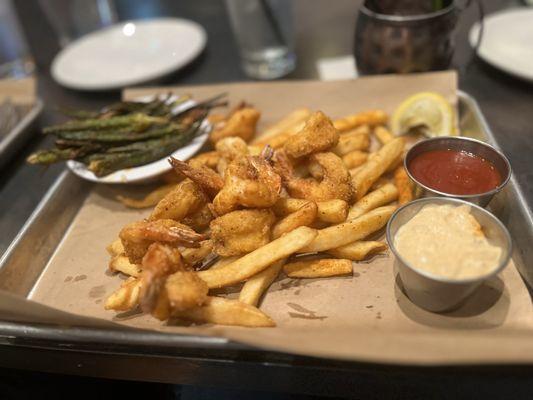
(10, 143)
(27, 256)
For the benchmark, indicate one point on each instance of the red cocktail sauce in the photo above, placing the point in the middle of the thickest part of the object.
(454, 172)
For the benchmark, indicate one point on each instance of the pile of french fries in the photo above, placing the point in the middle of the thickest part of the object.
(309, 238)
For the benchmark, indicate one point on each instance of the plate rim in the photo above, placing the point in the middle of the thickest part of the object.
(127, 82)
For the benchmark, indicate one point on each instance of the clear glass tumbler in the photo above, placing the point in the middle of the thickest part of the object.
(15, 58)
(72, 19)
(263, 30)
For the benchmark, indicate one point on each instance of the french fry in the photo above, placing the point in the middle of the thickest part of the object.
(218, 310)
(116, 248)
(354, 158)
(350, 231)
(349, 142)
(223, 261)
(393, 165)
(358, 251)
(216, 118)
(259, 259)
(376, 166)
(287, 205)
(193, 256)
(121, 263)
(304, 216)
(382, 181)
(332, 211)
(371, 118)
(378, 197)
(254, 287)
(126, 297)
(383, 134)
(320, 268)
(279, 140)
(286, 124)
(356, 170)
(404, 184)
(275, 142)
(362, 129)
(150, 200)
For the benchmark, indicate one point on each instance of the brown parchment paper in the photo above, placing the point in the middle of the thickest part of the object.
(363, 317)
(20, 91)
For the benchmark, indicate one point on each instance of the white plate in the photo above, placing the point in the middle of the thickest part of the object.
(148, 172)
(128, 53)
(507, 41)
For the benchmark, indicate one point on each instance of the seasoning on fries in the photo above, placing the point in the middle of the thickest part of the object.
(321, 268)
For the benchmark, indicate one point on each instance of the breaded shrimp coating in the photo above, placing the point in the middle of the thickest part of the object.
(250, 181)
(229, 149)
(206, 179)
(136, 237)
(317, 135)
(186, 199)
(158, 263)
(240, 232)
(241, 123)
(185, 290)
(335, 181)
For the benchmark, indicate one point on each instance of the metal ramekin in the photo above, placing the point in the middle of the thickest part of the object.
(470, 145)
(436, 293)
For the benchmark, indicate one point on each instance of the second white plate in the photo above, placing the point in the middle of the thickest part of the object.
(128, 53)
(507, 41)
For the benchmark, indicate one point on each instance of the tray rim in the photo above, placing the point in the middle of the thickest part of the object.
(20, 132)
(28, 332)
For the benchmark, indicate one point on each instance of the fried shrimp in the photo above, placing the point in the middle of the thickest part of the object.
(241, 123)
(186, 199)
(317, 135)
(200, 219)
(185, 290)
(240, 232)
(250, 181)
(158, 263)
(334, 184)
(206, 179)
(229, 149)
(209, 160)
(138, 236)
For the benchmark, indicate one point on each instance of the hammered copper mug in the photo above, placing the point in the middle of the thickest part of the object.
(403, 36)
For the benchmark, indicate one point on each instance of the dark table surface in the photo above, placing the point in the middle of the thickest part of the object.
(322, 29)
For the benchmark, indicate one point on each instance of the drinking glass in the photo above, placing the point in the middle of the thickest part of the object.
(72, 19)
(15, 58)
(263, 30)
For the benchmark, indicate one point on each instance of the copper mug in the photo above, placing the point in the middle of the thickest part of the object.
(404, 36)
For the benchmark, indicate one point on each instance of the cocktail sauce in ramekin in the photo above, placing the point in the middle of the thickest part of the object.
(457, 167)
(456, 172)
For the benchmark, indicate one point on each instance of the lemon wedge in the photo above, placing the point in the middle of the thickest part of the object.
(428, 112)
